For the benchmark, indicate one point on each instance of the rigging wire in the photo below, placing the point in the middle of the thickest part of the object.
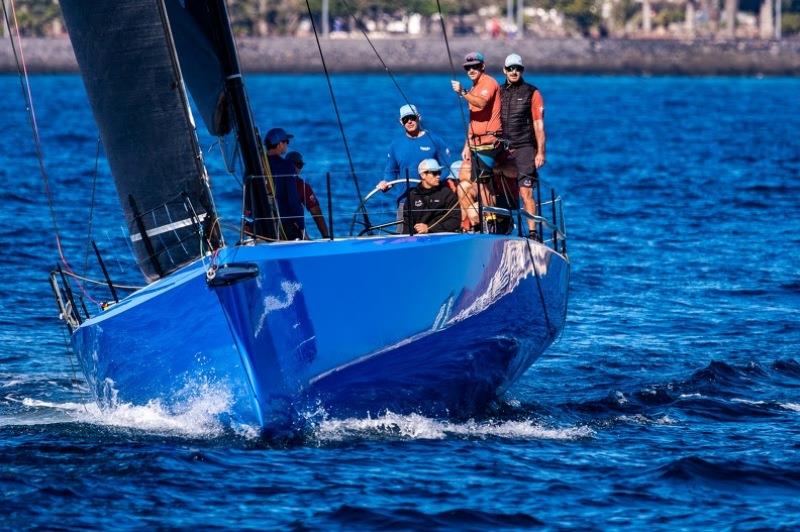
(26, 92)
(361, 207)
(452, 68)
(360, 25)
(91, 209)
(69, 354)
(466, 125)
(22, 71)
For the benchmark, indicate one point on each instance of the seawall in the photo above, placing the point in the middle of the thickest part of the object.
(578, 56)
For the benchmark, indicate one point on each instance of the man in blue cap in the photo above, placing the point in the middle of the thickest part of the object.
(283, 174)
(431, 207)
(414, 145)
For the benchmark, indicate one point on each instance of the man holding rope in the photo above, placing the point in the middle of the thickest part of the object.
(484, 130)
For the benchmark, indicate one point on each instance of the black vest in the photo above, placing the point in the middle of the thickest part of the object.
(515, 114)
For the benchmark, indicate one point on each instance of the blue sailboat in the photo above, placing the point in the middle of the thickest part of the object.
(284, 326)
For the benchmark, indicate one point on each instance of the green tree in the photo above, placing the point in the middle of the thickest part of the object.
(38, 18)
(585, 14)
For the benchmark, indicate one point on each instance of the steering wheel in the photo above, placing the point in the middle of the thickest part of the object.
(370, 195)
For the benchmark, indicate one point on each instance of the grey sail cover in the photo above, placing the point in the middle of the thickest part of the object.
(127, 58)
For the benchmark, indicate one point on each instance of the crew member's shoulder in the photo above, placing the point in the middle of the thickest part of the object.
(488, 81)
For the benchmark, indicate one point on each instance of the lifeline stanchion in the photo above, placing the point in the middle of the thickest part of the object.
(105, 272)
(562, 227)
(330, 203)
(407, 207)
(540, 228)
(555, 221)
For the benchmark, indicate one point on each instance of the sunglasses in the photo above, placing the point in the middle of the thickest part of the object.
(299, 165)
(433, 172)
(515, 69)
(467, 68)
(410, 118)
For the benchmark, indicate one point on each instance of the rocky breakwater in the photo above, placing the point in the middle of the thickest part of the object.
(578, 56)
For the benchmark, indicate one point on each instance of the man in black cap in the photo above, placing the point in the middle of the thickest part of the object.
(283, 173)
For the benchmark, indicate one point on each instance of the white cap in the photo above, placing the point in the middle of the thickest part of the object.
(514, 60)
(408, 110)
(429, 165)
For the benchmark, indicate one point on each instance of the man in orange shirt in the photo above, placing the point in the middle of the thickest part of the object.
(522, 114)
(485, 127)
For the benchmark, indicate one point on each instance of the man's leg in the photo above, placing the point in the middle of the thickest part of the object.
(526, 168)
(526, 193)
(466, 200)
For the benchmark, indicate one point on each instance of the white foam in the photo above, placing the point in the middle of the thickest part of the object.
(644, 420)
(691, 396)
(199, 415)
(791, 406)
(417, 427)
(747, 401)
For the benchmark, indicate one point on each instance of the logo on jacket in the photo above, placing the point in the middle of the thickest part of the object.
(418, 203)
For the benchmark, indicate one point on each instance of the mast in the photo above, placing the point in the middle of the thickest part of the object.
(257, 201)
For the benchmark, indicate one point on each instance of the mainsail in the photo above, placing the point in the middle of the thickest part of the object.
(126, 54)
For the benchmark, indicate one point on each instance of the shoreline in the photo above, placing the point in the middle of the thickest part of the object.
(701, 57)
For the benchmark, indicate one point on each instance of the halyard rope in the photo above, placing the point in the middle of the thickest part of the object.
(22, 70)
(361, 207)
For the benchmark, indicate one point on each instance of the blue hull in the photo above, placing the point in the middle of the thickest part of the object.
(431, 324)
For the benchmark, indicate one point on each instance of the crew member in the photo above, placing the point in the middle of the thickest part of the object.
(409, 149)
(306, 193)
(522, 115)
(431, 206)
(485, 127)
(283, 173)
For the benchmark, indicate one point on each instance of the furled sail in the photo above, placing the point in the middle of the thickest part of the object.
(127, 57)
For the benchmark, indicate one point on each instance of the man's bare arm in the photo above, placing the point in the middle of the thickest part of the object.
(541, 138)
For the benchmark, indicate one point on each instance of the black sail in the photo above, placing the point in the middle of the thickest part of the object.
(132, 76)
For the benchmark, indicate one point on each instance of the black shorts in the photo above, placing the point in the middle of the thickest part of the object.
(523, 159)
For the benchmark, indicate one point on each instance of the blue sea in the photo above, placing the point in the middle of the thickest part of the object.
(672, 399)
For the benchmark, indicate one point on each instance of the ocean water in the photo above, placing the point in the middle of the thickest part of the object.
(672, 400)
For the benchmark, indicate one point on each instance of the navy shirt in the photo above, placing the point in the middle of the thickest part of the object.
(291, 210)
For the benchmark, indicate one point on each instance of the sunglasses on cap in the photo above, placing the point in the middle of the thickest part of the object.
(406, 119)
(515, 68)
